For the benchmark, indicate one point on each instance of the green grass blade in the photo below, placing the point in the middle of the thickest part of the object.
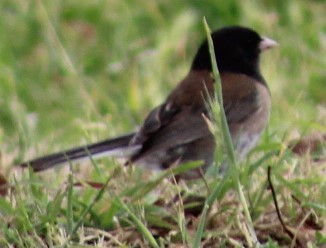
(69, 214)
(230, 152)
(139, 225)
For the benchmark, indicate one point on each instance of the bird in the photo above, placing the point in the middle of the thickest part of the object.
(177, 131)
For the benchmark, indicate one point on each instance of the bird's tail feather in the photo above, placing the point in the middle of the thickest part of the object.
(118, 147)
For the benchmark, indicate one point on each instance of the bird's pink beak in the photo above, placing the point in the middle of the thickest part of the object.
(267, 43)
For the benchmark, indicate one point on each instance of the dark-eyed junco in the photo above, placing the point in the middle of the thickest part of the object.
(176, 131)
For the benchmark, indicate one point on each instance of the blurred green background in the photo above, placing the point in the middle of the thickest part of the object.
(78, 71)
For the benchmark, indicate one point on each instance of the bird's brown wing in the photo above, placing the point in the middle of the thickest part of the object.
(186, 102)
(157, 118)
(173, 140)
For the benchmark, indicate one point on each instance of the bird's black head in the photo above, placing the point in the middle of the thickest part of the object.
(237, 50)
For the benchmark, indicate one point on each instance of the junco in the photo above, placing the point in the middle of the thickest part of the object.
(176, 131)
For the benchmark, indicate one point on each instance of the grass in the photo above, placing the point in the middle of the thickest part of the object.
(79, 71)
